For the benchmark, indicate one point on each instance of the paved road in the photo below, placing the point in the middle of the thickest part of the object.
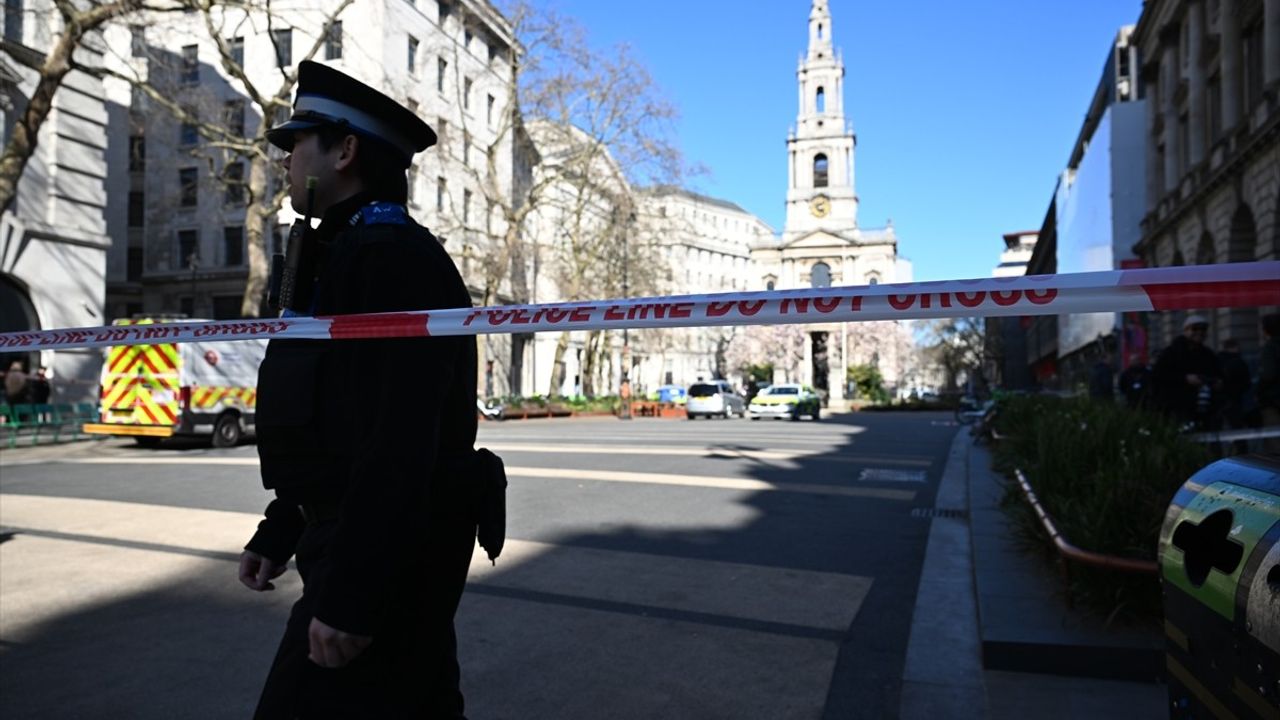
(656, 568)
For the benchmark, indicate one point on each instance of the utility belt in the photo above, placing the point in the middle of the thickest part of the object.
(484, 477)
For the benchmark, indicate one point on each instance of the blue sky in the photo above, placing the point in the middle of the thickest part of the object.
(965, 111)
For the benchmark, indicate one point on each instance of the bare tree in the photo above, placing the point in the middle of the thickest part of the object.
(77, 25)
(957, 346)
(586, 125)
(226, 142)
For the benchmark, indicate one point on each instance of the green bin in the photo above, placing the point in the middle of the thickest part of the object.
(1220, 574)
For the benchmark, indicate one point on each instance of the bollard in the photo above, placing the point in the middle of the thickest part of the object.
(1220, 577)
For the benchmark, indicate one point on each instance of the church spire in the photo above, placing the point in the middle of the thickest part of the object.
(819, 30)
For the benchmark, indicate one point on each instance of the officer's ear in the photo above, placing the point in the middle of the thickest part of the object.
(350, 148)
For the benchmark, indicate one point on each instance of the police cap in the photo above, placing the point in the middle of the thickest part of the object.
(329, 97)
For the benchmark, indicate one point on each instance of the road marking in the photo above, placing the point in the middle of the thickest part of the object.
(887, 475)
(708, 482)
(99, 539)
(713, 451)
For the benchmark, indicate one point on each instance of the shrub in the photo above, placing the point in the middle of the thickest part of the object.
(1105, 474)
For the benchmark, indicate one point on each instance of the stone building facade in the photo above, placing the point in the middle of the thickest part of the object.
(822, 243)
(53, 239)
(1211, 75)
(177, 216)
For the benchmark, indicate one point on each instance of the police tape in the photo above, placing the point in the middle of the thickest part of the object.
(1198, 287)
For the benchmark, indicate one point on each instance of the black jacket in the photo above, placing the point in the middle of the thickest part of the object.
(1183, 357)
(369, 425)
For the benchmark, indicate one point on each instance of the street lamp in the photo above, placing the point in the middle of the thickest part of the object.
(624, 390)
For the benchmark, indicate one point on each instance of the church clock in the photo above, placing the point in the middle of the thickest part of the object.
(820, 206)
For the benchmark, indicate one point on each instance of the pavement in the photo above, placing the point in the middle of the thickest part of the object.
(992, 636)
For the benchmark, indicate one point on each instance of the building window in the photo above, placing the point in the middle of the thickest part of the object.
(333, 42)
(283, 40)
(767, 286)
(1214, 93)
(233, 180)
(1251, 42)
(466, 148)
(236, 46)
(442, 11)
(226, 307)
(137, 153)
(13, 20)
(822, 100)
(466, 94)
(489, 110)
(1184, 143)
(133, 267)
(190, 65)
(233, 246)
(819, 170)
(820, 275)
(441, 188)
(187, 305)
(442, 67)
(137, 208)
(466, 206)
(188, 187)
(137, 40)
(188, 133)
(493, 53)
(442, 132)
(412, 183)
(466, 38)
(873, 280)
(413, 53)
(233, 117)
(188, 248)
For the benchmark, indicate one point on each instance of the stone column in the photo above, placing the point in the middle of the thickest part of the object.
(1169, 76)
(1271, 42)
(1195, 82)
(1229, 12)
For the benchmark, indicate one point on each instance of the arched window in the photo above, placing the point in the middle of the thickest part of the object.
(822, 100)
(819, 170)
(769, 286)
(820, 275)
(819, 31)
(873, 280)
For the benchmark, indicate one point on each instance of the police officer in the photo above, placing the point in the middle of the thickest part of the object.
(365, 442)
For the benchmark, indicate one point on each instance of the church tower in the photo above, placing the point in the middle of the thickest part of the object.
(820, 189)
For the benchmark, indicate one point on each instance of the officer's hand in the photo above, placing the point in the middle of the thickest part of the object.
(257, 572)
(332, 648)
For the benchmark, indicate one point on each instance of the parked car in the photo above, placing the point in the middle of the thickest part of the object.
(714, 398)
(669, 394)
(790, 400)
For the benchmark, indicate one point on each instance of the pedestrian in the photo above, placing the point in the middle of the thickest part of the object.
(1185, 374)
(1102, 379)
(40, 389)
(1135, 383)
(1268, 389)
(374, 497)
(15, 384)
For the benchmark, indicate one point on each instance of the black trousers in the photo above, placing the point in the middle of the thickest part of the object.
(411, 668)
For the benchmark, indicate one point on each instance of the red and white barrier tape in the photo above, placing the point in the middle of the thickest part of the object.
(1177, 288)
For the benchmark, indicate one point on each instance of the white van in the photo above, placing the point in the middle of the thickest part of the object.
(204, 388)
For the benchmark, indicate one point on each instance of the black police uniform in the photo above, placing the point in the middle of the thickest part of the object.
(367, 444)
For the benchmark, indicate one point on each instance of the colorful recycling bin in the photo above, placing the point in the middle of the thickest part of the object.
(1220, 574)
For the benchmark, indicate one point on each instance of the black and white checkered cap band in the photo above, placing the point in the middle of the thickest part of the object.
(358, 119)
